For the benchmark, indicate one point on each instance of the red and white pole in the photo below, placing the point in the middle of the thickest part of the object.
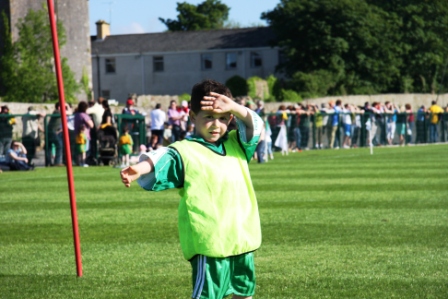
(71, 182)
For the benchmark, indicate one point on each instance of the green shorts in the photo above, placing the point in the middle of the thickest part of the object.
(216, 278)
(126, 149)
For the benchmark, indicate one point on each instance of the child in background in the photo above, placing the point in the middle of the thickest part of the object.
(81, 142)
(219, 225)
(125, 144)
(167, 135)
(190, 130)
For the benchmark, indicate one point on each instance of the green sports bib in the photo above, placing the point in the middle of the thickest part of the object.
(218, 211)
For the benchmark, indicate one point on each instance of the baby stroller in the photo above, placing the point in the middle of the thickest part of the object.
(107, 141)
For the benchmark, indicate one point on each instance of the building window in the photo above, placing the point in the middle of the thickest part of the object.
(206, 62)
(110, 66)
(231, 60)
(105, 94)
(157, 63)
(255, 59)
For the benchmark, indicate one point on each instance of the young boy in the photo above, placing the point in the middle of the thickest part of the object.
(81, 144)
(219, 226)
(125, 144)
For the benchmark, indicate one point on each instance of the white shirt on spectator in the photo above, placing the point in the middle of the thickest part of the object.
(158, 118)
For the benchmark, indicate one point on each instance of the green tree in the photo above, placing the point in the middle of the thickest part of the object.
(33, 79)
(423, 40)
(85, 84)
(349, 42)
(210, 14)
(7, 62)
(238, 86)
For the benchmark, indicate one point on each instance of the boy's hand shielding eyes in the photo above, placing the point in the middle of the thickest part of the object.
(217, 103)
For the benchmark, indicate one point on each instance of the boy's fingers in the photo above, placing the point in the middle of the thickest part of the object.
(207, 102)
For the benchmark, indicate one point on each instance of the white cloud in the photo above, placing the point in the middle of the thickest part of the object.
(128, 29)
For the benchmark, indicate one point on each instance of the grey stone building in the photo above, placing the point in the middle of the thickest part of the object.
(74, 15)
(170, 63)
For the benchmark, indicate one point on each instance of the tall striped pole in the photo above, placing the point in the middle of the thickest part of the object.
(71, 184)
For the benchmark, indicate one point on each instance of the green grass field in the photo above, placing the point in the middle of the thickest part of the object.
(336, 224)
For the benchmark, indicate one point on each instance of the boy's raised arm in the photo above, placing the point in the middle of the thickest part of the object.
(132, 173)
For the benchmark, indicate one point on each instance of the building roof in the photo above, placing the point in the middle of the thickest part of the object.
(184, 41)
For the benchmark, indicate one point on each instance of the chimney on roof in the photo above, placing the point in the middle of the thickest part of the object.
(102, 29)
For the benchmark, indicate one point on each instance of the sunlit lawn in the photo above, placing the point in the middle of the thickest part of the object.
(336, 224)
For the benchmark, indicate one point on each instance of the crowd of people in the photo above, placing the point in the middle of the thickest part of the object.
(336, 125)
(292, 128)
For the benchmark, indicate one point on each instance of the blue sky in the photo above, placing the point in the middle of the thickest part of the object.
(142, 16)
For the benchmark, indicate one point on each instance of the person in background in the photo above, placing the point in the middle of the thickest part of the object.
(158, 119)
(378, 110)
(401, 126)
(304, 126)
(71, 132)
(132, 124)
(82, 118)
(30, 132)
(334, 119)
(6, 127)
(184, 111)
(107, 133)
(421, 125)
(318, 125)
(435, 112)
(96, 111)
(409, 122)
(16, 157)
(357, 124)
(54, 131)
(130, 109)
(174, 118)
(390, 114)
(168, 137)
(347, 123)
(282, 138)
(268, 139)
(81, 143)
(125, 144)
(445, 124)
(190, 130)
(261, 146)
(107, 119)
(294, 136)
(260, 108)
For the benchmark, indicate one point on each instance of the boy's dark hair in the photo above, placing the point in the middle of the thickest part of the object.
(203, 89)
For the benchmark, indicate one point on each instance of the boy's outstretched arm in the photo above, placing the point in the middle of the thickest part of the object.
(132, 173)
(219, 103)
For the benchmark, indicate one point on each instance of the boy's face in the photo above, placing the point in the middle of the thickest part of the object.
(211, 126)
